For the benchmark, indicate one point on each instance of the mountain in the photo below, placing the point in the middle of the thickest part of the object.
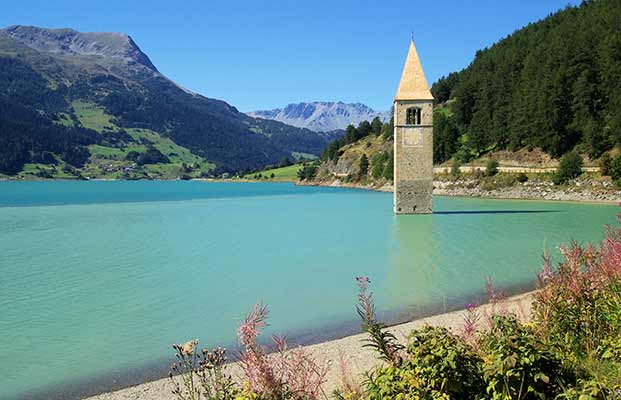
(554, 84)
(86, 100)
(322, 116)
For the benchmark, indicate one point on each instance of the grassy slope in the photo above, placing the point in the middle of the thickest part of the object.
(284, 174)
(107, 162)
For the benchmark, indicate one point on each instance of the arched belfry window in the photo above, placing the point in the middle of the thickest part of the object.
(412, 116)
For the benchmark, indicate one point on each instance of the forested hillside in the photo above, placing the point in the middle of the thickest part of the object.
(95, 103)
(555, 85)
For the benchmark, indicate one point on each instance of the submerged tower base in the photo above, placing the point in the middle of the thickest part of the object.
(414, 197)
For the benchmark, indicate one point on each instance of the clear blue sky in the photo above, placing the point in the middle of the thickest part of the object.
(266, 54)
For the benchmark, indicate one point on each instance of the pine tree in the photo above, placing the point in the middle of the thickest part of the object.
(376, 126)
(364, 165)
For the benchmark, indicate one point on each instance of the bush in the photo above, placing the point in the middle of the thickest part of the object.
(492, 168)
(521, 177)
(388, 173)
(287, 374)
(570, 167)
(364, 166)
(615, 170)
(440, 366)
(307, 172)
(519, 365)
(605, 162)
(377, 165)
(579, 305)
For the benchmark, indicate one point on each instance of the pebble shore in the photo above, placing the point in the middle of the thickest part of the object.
(350, 348)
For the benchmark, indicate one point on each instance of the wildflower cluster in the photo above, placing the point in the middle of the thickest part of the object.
(384, 342)
(570, 350)
(201, 375)
(286, 374)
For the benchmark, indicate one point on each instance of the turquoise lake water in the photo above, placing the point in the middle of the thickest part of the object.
(98, 279)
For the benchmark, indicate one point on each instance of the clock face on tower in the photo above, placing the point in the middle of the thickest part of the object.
(412, 137)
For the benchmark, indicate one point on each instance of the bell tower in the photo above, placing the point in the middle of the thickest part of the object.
(413, 136)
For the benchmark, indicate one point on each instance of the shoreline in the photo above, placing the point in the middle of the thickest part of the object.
(349, 348)
(533, 192)
(529, 193)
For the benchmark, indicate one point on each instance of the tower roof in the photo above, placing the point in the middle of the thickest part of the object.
(413, 85)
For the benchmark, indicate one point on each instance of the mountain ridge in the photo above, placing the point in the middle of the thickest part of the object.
(322, 116)
(53, 80)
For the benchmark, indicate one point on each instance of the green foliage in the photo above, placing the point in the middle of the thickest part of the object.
(521, 177)
(388, 173)
(285, 162)
(442, 89)
(364, 129)
(352, 134)
(615, 170)
(364, 165)
(589, 389)
(307, 172)
(388, 130)
(445, 137)
(552, 84)
(491, 168)
(378, 163)
(380, 340)
(455, 171)
(439, 365)
(519, 365)
(376, 126)
(605, 163)
(151, 156)
(570, 167)
(579, 306)
(61, 105)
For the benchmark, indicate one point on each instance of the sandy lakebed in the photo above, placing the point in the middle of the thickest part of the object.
(349, 349)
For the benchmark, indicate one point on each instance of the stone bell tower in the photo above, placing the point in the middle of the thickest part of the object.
(413, 120)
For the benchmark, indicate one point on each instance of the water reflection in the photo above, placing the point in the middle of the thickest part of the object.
(412, 273)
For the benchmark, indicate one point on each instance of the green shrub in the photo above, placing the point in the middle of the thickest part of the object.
(377, 164)
(388, 173)
(605, 162)
(570, 167)
(519, 365)
(307, 172)
(615, 169)
(521, 177)
(455, 171)
(589, 390)
(579, 304)
(364, 165)
(492, 168)
(439, 365)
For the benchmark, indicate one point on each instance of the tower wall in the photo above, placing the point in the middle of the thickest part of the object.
(413, 162)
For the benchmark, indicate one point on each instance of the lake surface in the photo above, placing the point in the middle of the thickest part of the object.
(98, 279)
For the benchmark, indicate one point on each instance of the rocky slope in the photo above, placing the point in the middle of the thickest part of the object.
(322, 116)
(67, 97)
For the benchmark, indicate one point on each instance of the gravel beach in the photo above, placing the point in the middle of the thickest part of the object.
(357, 358)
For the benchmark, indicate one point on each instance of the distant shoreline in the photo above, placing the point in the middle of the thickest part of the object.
(464, 189)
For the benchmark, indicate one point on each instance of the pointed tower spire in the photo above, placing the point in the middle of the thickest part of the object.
(413, 85)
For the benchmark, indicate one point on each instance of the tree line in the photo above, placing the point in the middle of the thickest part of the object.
(554, 84)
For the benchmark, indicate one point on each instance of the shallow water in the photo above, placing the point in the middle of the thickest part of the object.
(97, 279)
